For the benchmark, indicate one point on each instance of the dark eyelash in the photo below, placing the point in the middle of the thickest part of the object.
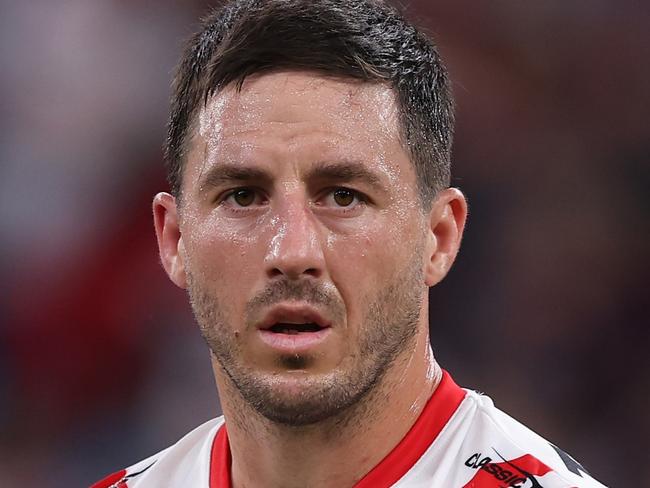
(222, 197)
(361, 196)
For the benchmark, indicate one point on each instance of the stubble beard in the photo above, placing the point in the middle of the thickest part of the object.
(389, 328)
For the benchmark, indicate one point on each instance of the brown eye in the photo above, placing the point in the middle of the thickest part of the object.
(344, 197)
(244, 197)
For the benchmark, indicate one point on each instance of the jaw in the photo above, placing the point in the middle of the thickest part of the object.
(405, 386)
(294, 400)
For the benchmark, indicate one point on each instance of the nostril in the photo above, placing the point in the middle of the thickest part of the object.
(275, 272)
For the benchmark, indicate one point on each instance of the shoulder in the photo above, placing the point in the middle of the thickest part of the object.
(186, 461)
(498, 446)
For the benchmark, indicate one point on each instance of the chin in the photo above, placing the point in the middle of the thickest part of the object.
(301, 398)
(296, 362)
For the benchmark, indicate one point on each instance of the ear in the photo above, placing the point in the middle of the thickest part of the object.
(446, 225)
(170, 240)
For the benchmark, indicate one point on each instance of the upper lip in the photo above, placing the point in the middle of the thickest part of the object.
(293, 314)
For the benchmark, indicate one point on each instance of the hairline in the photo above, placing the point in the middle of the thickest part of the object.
(211, 92)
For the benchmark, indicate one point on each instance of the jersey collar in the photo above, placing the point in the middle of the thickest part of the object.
(435, 415)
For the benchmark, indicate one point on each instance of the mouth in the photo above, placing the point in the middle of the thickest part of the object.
(294, 328)
(293, 318)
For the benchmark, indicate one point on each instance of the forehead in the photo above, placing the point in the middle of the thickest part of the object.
(298, 115)
(295, 97)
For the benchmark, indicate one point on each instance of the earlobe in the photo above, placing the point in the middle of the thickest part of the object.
(446, 224)
(170, 240)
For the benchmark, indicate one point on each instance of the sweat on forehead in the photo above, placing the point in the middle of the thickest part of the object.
(286, 103)
(365, 40)
(265, 94)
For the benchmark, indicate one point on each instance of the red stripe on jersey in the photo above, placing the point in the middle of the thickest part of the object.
(110, 480)
(220, 460)
(435, 415)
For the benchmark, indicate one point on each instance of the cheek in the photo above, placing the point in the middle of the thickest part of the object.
(360, 262)
(223, 256)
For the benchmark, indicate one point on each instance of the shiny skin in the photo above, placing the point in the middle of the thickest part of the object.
(301, 182)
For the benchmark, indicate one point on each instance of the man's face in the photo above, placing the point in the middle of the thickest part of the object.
(302, 241)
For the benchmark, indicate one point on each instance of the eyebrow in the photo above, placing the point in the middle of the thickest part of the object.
(344, 171)
(227, 173)
(330, 171)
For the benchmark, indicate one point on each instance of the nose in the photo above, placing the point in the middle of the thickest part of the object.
(295, 250)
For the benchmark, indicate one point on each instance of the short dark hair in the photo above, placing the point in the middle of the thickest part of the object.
(366, 40)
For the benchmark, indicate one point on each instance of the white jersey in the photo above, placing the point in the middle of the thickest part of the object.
(461, 440)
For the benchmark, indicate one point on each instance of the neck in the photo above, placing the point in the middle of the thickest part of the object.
(336, 452)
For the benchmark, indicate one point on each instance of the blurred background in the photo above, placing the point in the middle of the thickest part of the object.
(546, 310)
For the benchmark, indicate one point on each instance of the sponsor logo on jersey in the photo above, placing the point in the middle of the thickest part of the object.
(515, 473)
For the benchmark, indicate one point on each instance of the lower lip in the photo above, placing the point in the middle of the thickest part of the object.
(293, 343)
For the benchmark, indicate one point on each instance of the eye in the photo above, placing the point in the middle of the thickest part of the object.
(344, 197)
(243, 197)
(343, 200)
